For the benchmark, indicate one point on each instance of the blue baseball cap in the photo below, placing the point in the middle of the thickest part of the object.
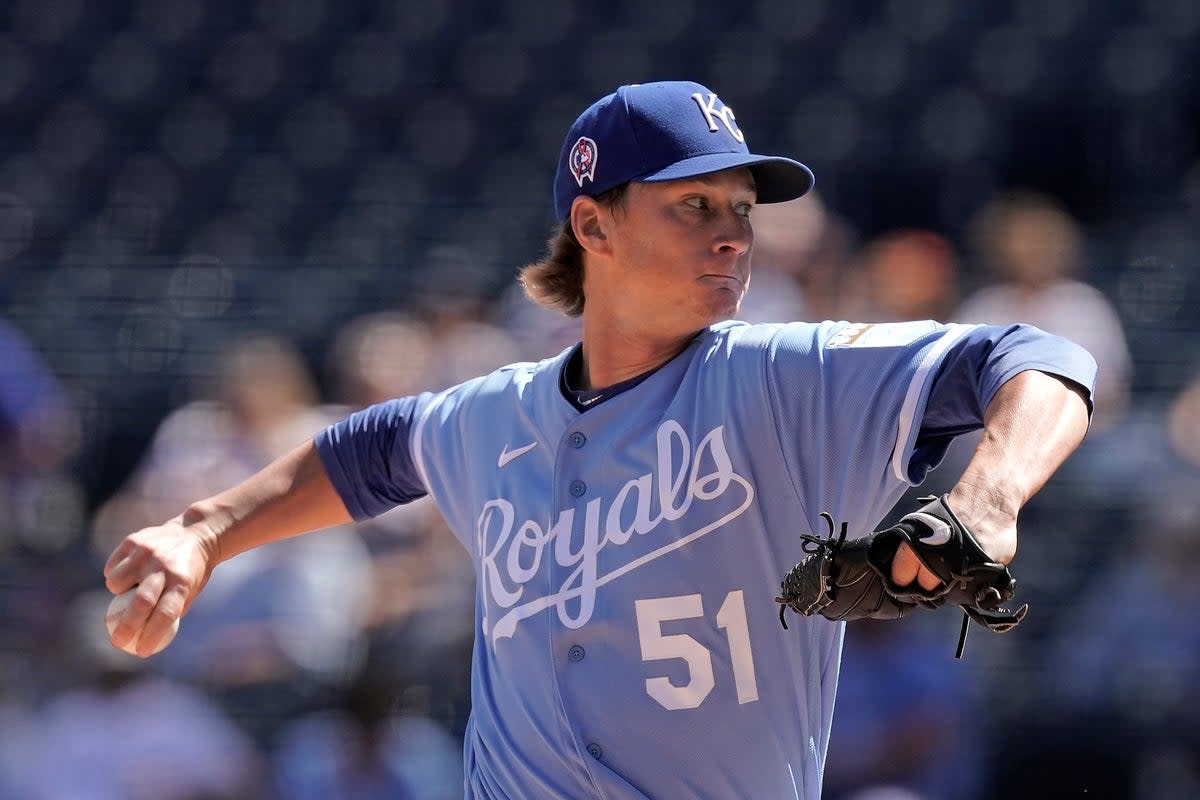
(660, 132)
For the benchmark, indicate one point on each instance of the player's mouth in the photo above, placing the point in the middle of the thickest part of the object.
(724, 277)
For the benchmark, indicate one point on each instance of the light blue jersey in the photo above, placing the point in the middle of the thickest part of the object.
(628, 643)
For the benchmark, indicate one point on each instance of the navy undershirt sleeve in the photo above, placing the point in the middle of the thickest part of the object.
(977, 366)
(368, 459)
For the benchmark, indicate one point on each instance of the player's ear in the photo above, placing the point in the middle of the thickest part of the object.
(589, 221)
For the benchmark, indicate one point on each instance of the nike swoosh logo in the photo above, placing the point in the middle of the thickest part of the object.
(939, 532)
(507, 455)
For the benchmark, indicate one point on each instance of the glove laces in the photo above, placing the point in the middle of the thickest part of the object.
(812, 545)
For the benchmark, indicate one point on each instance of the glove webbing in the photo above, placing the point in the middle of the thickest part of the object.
(812, 545)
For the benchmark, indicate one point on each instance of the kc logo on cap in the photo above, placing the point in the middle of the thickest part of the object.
(708, 107)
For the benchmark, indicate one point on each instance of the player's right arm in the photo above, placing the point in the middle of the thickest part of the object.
(171, 563)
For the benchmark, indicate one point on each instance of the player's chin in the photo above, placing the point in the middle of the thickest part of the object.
(724, 298)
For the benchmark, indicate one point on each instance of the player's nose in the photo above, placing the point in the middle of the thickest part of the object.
(734, 234)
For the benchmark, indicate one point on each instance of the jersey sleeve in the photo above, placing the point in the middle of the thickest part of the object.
(970, 373)
(987, 356)
(880, 403)
(368, 459)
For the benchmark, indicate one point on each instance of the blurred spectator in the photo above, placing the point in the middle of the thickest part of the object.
(421, 616)
(42, 509)
(1182, 424)
(904, 274)
(1156, 442)
(41, 506)
(1123, 688)
(276, 630)
(371, 745)
(15, 728)
(118, 732)
(454, 296)
(39, 431)
(537, 332)
(264, 403)
(1033, 250)
(908, 716)
(798, 265)
(377, 357)
(785, 236)
(1107, 484)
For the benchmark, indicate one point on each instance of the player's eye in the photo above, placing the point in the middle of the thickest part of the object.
(744, 209)
(698, 203)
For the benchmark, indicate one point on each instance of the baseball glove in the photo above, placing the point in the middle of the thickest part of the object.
(849, 580)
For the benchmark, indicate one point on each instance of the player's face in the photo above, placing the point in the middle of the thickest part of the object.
(683, 248)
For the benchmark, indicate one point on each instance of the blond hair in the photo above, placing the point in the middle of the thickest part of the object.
(556, 281)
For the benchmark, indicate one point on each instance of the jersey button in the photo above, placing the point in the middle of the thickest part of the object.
(578, 488)
(576, 653)
(595, 750)
(577, 440)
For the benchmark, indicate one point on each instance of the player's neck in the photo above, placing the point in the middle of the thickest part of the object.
(610, 357)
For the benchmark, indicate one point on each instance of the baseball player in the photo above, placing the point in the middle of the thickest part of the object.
(631, 503)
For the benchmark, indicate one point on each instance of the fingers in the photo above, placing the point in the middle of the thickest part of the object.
(907, 568)
(130, 624)
(123, 576)
(161, 624)
(927, 580)
(127, 563)
(120, 569)
(159, 593)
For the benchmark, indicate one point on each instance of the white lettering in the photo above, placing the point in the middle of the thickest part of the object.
(529, 537)
(684, 480)
(708, 107)
(491, 576)
(672, 481)
(642, 523)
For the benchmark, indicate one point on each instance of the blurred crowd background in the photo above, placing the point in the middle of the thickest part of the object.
(224, 225)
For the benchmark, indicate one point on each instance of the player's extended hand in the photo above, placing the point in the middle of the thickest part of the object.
(169, 564)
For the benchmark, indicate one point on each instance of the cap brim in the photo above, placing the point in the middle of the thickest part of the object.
(777, 179)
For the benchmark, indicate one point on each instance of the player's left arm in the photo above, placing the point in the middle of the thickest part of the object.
(1032, 424)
